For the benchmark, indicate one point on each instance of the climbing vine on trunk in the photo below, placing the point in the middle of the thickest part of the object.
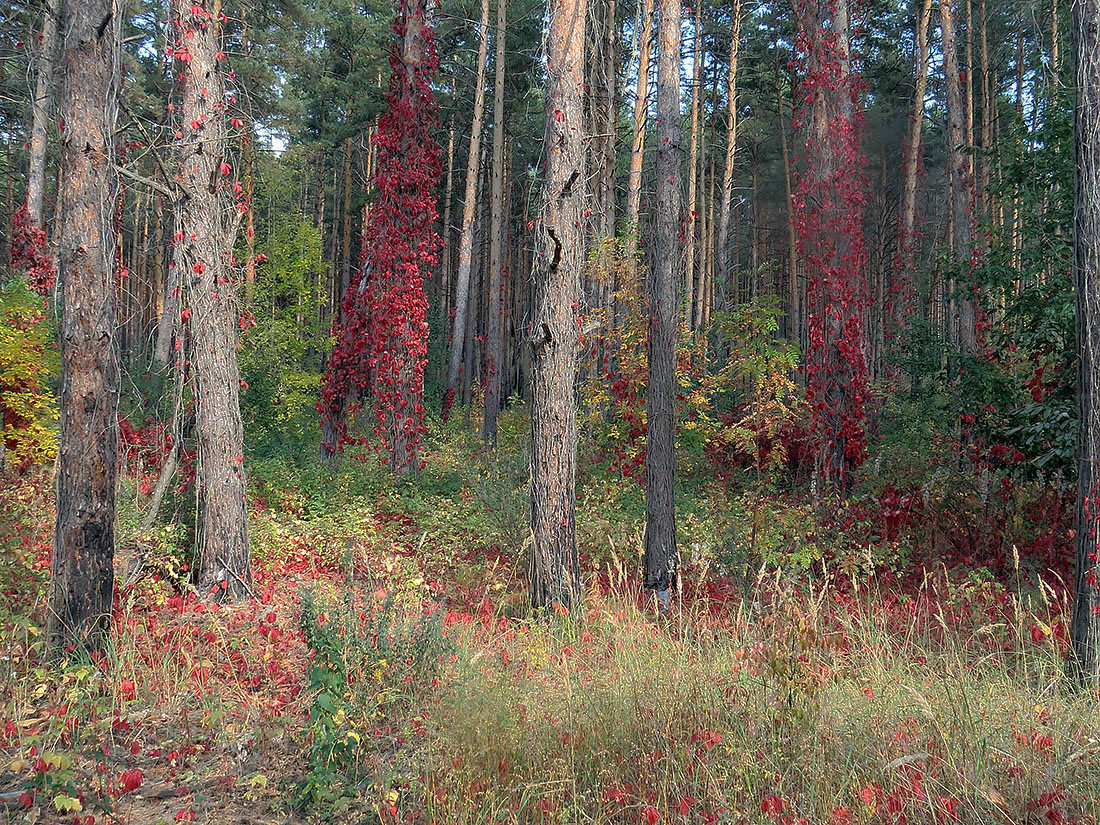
(382, 332)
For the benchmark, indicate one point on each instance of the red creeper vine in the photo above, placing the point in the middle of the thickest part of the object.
(382, 330)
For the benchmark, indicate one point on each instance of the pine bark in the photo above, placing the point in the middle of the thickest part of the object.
(40, 113)
(637, 149)
(494, 307)
(82, 583)
(205, 235)
(660, 534)
(1085, 629)
(466, 242)
(559, 257)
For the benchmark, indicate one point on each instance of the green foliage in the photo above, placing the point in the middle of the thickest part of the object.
(280, 358)
(28, 361)
(365, 661)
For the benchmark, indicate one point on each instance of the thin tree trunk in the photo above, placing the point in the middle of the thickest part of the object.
(961, 181)
(40, 114)
(249, 175)
(693, 163)
(555, 567)
(82, 582)
(988, 103)
(794, 284)
(466, 243)
(495, 307)
(721, 254)
(1085, 630)
(637, 149)
(206, 233)
(445, 252)
(660, 533)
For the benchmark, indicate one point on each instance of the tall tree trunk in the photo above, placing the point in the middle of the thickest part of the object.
(962, 184)
(249, 175)
(794, 283)
(693, 163)
(40, 113)
(1085, 630)
(901, 296)
(637, 149)
(989, 102)
(609, 81)
(555, 568)
(445, 252)
(495, 307)
(205, 237)
(722, 253)
(82, 583)
(660, 506)
(466, 242)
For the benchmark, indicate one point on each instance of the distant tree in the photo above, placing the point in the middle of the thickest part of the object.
(494, 361)
(1085, 630)
(82, 585)
(559, 256)
(660, 463)
(206, 228)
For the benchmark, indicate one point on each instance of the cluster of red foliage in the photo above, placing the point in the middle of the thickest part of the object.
(29, 253)
(382, 329)
(830, 199)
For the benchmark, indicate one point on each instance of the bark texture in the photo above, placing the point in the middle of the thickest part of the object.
(82, 584)
(559, 256)
(660, 509)
(637, 150)
(721, 254)
(205, 234)
(1085, 630)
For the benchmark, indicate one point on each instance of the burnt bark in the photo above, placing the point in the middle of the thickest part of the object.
(82, 583)
(552, 336)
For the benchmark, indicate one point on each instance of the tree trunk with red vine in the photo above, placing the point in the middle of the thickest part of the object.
(830, 199)
(208, 214)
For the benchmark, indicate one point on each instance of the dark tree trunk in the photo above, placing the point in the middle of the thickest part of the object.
(1085, 631)
(660, 507)
(205, 234)
(555, 569)
(82, 585)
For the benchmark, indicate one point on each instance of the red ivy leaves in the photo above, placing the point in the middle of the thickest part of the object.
(382, 330)
(831, 196)
(29, 252)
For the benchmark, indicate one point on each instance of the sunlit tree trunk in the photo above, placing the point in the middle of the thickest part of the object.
(205, 235)
(900, 303)
(466, 241)
(82, 583)
(693, 163)
(1085, 630)
(722, 254)
(40, 112)
(637, 150)
(660, 531)
(445, 253)
(559, 256)
(494, 306)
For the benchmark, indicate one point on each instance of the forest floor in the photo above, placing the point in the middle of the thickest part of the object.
(387, 671)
